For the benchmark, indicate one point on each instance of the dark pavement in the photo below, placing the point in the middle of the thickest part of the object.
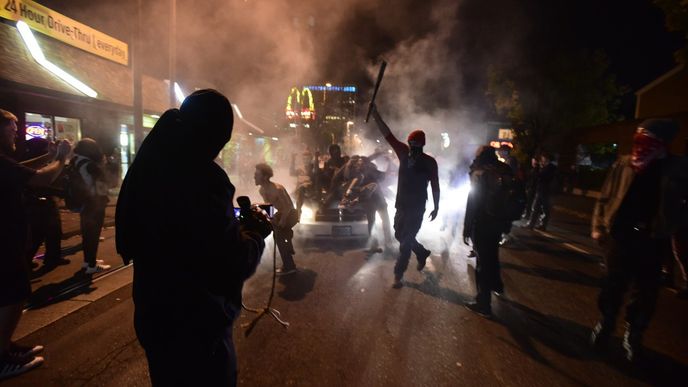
(348, 327)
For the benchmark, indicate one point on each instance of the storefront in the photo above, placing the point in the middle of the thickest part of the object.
(65, 80)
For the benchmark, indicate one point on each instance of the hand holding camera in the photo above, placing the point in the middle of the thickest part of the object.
(252, 218)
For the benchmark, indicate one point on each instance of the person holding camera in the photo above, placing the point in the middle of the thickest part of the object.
(175, 220)
(285, 218)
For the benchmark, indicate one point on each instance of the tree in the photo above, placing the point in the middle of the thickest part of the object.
(545, 102)
(676, 12)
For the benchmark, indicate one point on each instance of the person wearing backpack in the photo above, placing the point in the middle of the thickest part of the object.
(488, 215)
(89, 163)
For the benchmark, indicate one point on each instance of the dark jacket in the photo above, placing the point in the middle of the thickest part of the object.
(175, 220)
(673, 207)
(476, 204)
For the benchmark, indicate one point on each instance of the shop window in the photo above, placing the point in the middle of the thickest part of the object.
(39, 126)
(67, 129)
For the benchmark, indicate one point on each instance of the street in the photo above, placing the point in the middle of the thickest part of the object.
(349, 327)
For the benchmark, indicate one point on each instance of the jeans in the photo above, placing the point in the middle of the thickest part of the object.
(485, 237)
(635, 261)
(91, 220)
(407, 223)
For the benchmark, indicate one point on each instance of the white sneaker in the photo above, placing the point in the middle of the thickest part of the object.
(98, 262)
(98, 268)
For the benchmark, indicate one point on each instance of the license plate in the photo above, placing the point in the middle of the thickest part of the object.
(341, 230)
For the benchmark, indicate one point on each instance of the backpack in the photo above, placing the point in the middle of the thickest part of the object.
(76, 192)
(505, 194)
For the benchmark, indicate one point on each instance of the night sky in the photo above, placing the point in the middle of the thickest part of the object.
(523, 32)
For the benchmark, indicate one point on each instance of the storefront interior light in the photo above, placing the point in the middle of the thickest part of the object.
(38, 56)
(178, 93)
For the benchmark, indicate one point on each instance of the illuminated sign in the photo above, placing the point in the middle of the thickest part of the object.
(37, 131)
(302, 101)
(64, 29)
(345, 89)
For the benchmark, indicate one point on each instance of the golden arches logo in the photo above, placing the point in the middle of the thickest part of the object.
(300, 103)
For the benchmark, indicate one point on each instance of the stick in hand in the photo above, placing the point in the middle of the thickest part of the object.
(377, 86)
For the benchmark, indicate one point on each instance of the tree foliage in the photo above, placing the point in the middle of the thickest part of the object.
(676, 12)
(545, 102)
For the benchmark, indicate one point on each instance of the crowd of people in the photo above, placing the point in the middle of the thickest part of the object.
(194, 249)
(31, 183)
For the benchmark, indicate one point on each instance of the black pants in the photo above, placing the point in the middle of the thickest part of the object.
(634, 261)
(283, 237)
(45, 226)
(407, 223)
(173, 363)
(541, 205)
(377, 203)
(91, 219)
(485, 237)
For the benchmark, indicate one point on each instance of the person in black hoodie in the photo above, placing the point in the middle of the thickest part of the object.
(175, 220)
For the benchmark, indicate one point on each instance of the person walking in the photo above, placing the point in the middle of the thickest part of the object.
(90, 163)
(416, 170)
(285, 218)
(15, 286)
(641, 205)
(484, 227)
(540, 213)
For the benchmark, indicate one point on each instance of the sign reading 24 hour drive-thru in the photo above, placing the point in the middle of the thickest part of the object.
(60, 27)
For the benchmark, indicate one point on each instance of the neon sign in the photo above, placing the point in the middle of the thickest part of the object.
(300, 104)
(36, 131)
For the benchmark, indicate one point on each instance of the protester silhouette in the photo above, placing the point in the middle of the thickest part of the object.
(175, 220)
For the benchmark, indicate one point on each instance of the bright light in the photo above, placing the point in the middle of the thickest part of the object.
(124, 139)
(155, 116)
(178, 93)
(275, 139)
(378, 141)
(292, 125)
(250, 134)
(445, 140)
(328, 84)
(237, 111)
(38, 56)
(307, 214)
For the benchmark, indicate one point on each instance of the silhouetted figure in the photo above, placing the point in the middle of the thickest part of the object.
(285, 218)
(15, 287)
(484, 228)
(416, 170)
(540, 212)
(642, 204)
(45, 223)
(175, 220)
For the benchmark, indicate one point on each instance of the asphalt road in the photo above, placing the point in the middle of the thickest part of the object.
(348, 327)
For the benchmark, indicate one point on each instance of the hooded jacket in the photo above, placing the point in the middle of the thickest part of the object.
(673, 207)
(175, 220)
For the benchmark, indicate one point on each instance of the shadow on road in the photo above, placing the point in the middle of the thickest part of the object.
(79, 283)
(570, 339)
(574, 277)
(431, 286)
(297, 285)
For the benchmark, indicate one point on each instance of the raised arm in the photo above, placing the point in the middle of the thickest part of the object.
(399, 147)
(49, 173)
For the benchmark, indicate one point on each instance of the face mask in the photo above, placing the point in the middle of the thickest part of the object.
(646, 148)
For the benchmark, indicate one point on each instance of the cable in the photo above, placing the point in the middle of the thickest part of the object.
(268, 309)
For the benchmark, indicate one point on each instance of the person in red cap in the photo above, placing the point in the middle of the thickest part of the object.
(641, 205)
(416, 170)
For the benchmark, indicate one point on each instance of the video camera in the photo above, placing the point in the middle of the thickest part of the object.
(254, 218)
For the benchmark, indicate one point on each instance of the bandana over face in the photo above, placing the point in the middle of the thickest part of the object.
(646, 148)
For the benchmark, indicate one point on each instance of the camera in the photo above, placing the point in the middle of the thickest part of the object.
(254, 218)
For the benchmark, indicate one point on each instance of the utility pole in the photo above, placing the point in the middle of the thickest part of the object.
(172, 40)
(136, 70)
